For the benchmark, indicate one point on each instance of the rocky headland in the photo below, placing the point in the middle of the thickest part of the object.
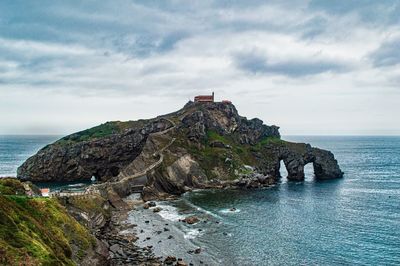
(203, 145)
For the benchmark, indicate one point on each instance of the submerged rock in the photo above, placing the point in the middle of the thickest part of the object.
(191, 220)
(149, 204)
(157, 209)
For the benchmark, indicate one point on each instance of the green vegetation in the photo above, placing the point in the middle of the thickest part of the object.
(38, 231)
(100, 131)
(225, 162)
(91, 204)
(11, 186)
(266, 141)
(214, 136)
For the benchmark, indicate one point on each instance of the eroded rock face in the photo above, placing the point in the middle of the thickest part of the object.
(103, 157)
(174, 179)
(325, 165)
(225, 120)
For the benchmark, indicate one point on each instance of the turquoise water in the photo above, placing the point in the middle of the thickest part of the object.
(351, 221)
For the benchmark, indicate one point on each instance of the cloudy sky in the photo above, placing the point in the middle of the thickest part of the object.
(311, 67)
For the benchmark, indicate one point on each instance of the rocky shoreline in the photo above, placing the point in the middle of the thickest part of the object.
(120, 240)
(172, 236)
(121, 249)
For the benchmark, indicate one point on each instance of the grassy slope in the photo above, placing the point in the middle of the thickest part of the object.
(11, 186)
(39, 231)
(213, 159)
(101, 131)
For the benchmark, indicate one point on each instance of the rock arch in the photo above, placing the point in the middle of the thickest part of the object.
(296, 155)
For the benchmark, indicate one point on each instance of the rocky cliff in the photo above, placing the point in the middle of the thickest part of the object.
(201, 145)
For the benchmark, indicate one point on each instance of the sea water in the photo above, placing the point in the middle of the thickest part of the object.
(349, 221)
(15, 149)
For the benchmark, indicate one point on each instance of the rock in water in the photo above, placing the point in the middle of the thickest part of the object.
(202, 145)
(170, 260)
(191, 220)
(157, 209)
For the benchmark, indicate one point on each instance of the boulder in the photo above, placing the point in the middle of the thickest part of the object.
(219, 144)
(197, 251)
(191, 220)
(157, 209)
(170, 260)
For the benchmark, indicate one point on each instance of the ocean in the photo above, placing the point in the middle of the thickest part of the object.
(15, 149)
(349, 221)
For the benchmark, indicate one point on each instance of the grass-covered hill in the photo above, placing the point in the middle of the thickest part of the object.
(38, 231)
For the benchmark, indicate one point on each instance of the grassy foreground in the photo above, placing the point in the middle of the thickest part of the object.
(38, 231)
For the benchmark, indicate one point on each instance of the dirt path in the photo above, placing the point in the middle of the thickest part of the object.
(152, 166)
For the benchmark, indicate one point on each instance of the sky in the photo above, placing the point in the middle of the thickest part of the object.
(311, 67)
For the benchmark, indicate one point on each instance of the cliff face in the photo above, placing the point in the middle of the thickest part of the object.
(83, 155)
(201, 145)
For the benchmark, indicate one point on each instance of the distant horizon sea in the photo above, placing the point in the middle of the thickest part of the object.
(350, 221)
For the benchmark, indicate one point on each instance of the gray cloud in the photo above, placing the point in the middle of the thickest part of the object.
(387, 54)
(313, 27)
(145, 57)
(256, 63)
(369, 11)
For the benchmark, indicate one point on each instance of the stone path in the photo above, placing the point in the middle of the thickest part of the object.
(94, 189)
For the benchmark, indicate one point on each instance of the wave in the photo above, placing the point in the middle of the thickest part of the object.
(169, 212)
(192, 233)
(202, 210)
(77, 185)
(229, 211)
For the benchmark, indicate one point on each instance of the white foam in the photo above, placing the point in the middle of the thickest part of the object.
(229, 211)
(77, 185)
(170, 213)
(134, 196)
(192, 233)
(202, 210)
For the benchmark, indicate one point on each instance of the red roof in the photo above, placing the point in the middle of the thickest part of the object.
(204, 98)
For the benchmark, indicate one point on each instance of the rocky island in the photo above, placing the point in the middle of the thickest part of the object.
(205, 144)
